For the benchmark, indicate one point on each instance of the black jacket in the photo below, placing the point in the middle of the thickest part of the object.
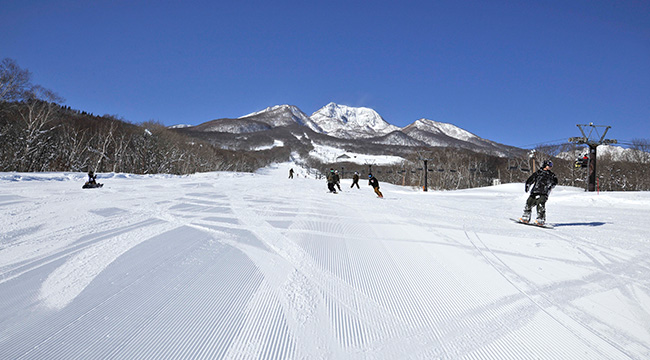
(542, 181)
(373, 182)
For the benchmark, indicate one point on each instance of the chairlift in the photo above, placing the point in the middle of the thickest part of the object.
(512, 164)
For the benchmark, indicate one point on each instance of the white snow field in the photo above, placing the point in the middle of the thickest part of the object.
(258, 266)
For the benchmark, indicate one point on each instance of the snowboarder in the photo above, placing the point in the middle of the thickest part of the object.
(372, 181)
(337, 179)
(330, 181)
(542, 182)
(92, 178)
(291, 173)
(92, 181)
(355, 180)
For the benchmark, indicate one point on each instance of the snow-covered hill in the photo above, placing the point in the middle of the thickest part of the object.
(259, 266)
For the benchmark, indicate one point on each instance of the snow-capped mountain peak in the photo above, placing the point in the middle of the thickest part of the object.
(347, 121)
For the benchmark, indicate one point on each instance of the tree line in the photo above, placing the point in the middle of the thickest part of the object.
(453, 168)
(38, 134)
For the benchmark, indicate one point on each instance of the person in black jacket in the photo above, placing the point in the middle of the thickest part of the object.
(331, 180)
(372, 181)
(540, 185)
(92, 178)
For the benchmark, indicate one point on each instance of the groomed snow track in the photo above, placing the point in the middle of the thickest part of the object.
(241, 266)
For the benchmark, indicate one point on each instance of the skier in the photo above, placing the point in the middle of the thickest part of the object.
(330, 181)
(355, 180)
(372, 181)
(542, 181)
(291, 173)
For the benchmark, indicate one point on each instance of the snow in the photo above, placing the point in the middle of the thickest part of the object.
(259, 266)
(330, 154)
(276, 143)
(180, 126)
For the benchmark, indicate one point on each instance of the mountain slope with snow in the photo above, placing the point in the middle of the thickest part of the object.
(283, 115)
(434, 133)
(258, 266)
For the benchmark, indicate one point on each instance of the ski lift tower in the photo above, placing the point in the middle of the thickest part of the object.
(426, 178)
(593, 143)
(369, 164)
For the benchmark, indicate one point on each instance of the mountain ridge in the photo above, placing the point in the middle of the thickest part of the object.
(360, 124)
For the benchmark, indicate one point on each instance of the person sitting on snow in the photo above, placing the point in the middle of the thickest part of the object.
(92, 178)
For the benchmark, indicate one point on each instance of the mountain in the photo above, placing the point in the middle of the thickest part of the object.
(398, 138)
(267, 119)
(434, 133)
(341, 123)
(234, 126)
(351, 122)
(283, 115)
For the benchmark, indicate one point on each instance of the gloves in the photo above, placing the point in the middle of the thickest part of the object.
(527, 187)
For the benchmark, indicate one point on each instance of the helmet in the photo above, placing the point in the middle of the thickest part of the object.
(546, 163)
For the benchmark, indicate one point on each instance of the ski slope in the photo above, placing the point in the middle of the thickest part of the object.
(258, 266)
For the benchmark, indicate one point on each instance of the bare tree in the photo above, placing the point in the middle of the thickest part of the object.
(14, 81)
(36, 115)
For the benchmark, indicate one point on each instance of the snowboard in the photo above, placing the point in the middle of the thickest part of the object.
(532, 223)
(92, 186)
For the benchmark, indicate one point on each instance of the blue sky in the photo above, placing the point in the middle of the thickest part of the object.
(516, 72)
